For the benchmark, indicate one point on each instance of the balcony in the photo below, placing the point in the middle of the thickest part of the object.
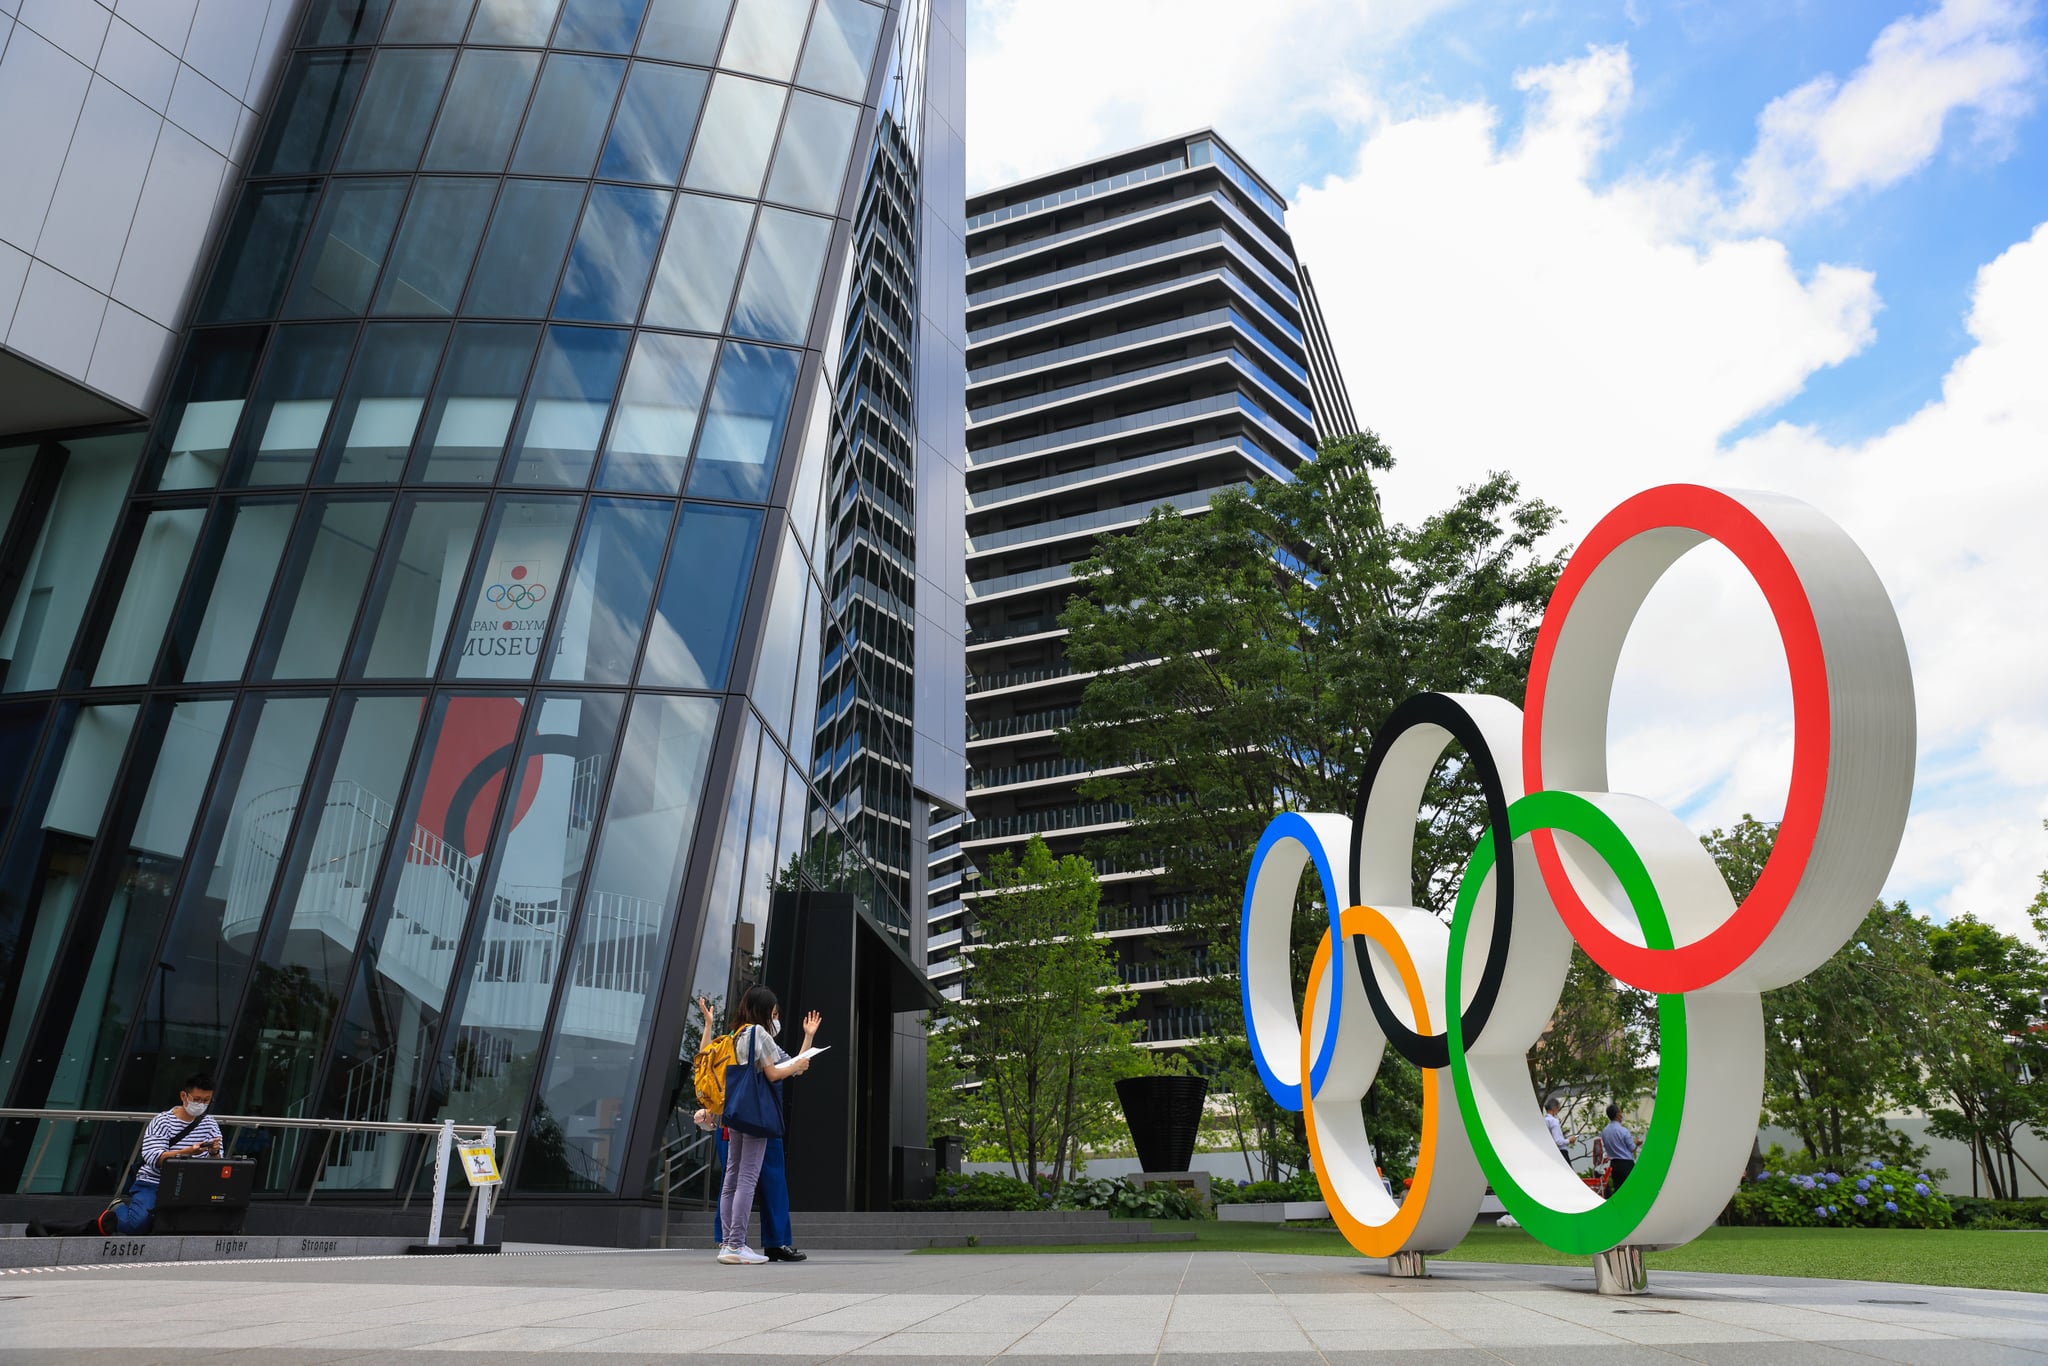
(1160, 913)
(979, 589)
(1100, 387)
(1172, 328)
(1160, 289)
(1086, 815)
(1109, 265)
(1001, 494)
(1173, 414)
(1086, 523)
(1121, 180)
(1025, 723)
(1041, 770)
(1012, 678)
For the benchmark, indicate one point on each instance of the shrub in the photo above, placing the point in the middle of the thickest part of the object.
(1300, 1186)
(982, 1191)
(1126, 1201)
(1870, 1195)
(1973, 1212)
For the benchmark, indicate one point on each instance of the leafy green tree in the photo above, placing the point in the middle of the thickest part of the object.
(1984, 1061)
(1597, 1048)
(1241, 659)
(1038, 1022)
(1838, 1053)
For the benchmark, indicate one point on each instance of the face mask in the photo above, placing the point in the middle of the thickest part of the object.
(195, 1108)
(775, 1024)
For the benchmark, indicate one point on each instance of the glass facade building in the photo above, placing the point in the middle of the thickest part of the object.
(1142, 335)
(416, 692)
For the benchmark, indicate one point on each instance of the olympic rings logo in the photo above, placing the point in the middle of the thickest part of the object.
(519, 595)
(1563, 860)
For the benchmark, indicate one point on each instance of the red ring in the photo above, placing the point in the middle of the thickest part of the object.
(1726, 520)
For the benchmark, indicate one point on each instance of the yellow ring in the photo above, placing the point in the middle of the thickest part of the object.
(1374, 1240)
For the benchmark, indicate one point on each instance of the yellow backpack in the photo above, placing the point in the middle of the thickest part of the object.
(707, 1070)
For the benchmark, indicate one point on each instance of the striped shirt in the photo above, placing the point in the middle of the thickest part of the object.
(156, 1140)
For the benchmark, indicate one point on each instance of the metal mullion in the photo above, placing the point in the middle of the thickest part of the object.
(668, 545)
(395, 856)
(475, 923)
(579, 536)
(31, 516)
(474, 573)
(384, 570)
(97, 622)
(238, 745)
(669, 1009)
(92, 885)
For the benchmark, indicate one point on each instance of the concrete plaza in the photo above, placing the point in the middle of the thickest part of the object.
(1178, 1307)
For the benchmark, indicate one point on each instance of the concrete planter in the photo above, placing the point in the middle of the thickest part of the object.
(1273, 1211)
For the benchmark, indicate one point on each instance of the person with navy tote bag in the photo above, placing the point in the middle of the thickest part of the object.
(753, 1114)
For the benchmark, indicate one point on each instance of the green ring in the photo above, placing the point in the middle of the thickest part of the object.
(1610, 1223)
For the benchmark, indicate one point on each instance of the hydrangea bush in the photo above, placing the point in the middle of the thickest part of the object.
(1868, 1195)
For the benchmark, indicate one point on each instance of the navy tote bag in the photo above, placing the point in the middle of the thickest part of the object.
(753, 1104)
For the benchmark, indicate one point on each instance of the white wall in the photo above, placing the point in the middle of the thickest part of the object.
(124, 123)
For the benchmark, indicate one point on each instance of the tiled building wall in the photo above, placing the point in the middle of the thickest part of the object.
(122, 123)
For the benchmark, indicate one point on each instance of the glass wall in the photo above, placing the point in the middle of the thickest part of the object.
(362, 713)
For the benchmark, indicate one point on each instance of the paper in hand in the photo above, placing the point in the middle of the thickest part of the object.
(810, 1053)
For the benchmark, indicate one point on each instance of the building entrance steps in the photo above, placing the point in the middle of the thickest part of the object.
(18, 1252)
(897, 1230)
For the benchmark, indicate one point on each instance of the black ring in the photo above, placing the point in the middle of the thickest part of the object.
(490, 766)
(1435, 709)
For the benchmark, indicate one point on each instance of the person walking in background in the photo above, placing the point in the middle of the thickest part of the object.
(753, 1046)
(773, 1188)
(1557, 1134)
(1621, 1150)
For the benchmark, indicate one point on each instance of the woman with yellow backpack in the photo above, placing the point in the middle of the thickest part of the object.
(738, 1079)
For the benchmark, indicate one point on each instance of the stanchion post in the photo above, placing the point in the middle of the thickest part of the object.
(484, 1193)
(446, 1144)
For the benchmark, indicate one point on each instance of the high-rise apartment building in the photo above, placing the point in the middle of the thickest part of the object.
(480, 497)
(1140, 334)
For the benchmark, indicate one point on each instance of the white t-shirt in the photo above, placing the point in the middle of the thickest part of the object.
(1556, 1129)
(744, 1046)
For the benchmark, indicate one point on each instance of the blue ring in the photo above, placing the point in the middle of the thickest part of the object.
(1285, 826)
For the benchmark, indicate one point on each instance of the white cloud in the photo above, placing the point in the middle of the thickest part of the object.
(1043, 95)
(1829, 139)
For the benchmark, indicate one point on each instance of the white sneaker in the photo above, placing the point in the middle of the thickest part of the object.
(730, 1256)
(751, 1257)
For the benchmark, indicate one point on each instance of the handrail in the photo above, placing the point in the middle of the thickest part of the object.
(382, 1126)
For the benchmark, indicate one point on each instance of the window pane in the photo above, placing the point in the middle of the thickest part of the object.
(514, 23)
(650, 440)
(289, 415)
(99, 1001)
(599, 25)
(397, 105)
(605, 605)
(414, 600)
(841, 45)
(702, 593)
(614, 251)
(334, 23)
(684, 30)
(206, 954)
(810, 163)
(765, 37)
(373, 431)
(516, 950)
(331, 872)
(782, 276)
(711, 975)
(482, 112)
(622, 945)
(739, 130)
(427, 21)
(774, 688)
(474, 402)
(512, 595)
(435, 246)
(205, 402)
(699, 262)
(565, 409)
(323, 582)
(394, 1010)
(522, 256)
(569, 115)
(651, 132)
(50, 601)
(257, 252)
(313, 104)
(743, 427)
(347, 248)
(229, 586)
(156, 573)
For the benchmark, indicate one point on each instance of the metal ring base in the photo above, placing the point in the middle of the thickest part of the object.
(1620, 1271)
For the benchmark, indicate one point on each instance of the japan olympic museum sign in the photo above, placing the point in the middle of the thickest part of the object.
(1564, 860)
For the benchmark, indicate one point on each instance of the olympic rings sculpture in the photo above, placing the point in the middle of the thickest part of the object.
(1563, 860)
(518, 595)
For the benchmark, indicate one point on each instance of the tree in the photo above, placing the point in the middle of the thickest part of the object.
(1986, 1062)
(1038, 1020)
(1597, 1047)
(1839, 1050)
(1242, 658)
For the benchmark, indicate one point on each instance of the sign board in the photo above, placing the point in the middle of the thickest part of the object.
(480, 1164)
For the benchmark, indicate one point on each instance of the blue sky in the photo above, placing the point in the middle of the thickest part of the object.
(1795, 246)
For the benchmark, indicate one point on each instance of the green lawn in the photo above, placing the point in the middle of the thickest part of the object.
(1984, 1260)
